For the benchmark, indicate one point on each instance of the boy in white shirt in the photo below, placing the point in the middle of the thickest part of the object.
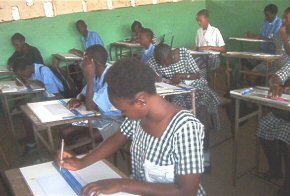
(208, 37)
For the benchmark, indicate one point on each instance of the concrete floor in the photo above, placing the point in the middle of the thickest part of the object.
(217, 183)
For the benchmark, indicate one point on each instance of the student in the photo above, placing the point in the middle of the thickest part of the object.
(270, 28)
(22, 49)
(95, 95)
(146, 37)
(208, 37)
(137, 28)
(274, 132)
(282, 46)
(166, 150)
(89, 38)
(178, 66)
(33, 74)
(37, 75)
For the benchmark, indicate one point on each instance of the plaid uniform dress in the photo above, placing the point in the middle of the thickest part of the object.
(180, 147)
(271, 127)
(187, 65)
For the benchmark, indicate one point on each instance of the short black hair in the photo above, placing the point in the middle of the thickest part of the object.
(203, 12)
(18, 36)
(147, 32)
(287, 10)
(161, 53)
(20, 64)
(129, 76)
(134, 24)
(81, 22)
(98, 53)
(272, 8)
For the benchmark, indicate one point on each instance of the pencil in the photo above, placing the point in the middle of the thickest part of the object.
(61, 152)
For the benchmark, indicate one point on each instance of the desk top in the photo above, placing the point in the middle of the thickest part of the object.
(37, 122)
(126, 44)
(259, 96)
(11, 88)
(244, 39)
(19, 186)
(5, 71)
(252, 55)
(68, 57)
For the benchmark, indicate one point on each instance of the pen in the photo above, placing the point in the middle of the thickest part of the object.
(61, 152)
(18, 80)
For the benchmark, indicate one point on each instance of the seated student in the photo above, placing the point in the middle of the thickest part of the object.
(89, 38)
(33, 74)
(274, 132)
(146, 37)
(37, 75)
(178, 66)
(282, 45)
(270, 28)
(208, 38)
(137, 28)
(166, 149)
(22, 49)
(95, 95)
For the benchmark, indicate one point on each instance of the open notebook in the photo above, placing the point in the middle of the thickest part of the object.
(56, 110)
(47, 180)
(162, 87)
(11, 86)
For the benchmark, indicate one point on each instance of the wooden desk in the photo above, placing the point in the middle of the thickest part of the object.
(67, 58)
(244, 39)
(260, 100)
(18, 186)
(268, 58)
(39, 126)
(123, 45)
(6, 97)
(4, 71)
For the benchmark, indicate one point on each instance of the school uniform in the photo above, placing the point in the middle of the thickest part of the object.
(43, 74)
(269, 31)
(32, 54)
(111, 118)
(179, 151)
(148, 53)
(187, 65)
(93, 38)
(276, 124)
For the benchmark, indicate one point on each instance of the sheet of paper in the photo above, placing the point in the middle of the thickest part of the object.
(11, 86)
(162, 87)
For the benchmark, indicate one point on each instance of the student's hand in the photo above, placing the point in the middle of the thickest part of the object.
(194, 47)
(69, 161)
(276, 91)
(89, 67)
(204, 48)
(176, 79)
(107, 187)
(76, 52)
(283, 30)
(74, 103)
(249, 35)
(35, 83)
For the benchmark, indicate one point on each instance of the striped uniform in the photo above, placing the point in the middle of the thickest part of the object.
(187, 65)
(272, 127)
(179, 151)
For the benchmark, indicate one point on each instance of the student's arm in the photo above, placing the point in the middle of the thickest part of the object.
(76, 52)
(104, 150)
(34, 83)
(184, 185)
(89, 71)
(214, 48)
(37, 58)
(284, 37)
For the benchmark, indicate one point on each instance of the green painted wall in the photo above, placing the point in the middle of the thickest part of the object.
(235, 17)
(58, 34)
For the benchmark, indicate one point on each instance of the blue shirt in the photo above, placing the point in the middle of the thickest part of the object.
(101, 97)
(269, 30)
(147, 54)
(46, 76)
(92, 39)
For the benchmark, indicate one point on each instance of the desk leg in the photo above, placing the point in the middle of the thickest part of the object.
(267, 72)
(37, 141)
(235, 141)
(50, 138)
(121, 52)
(193, 102)
(91, 131)
(131, 52)
(258, 150)
(110, 50)
(228, 73)
(8, 114)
